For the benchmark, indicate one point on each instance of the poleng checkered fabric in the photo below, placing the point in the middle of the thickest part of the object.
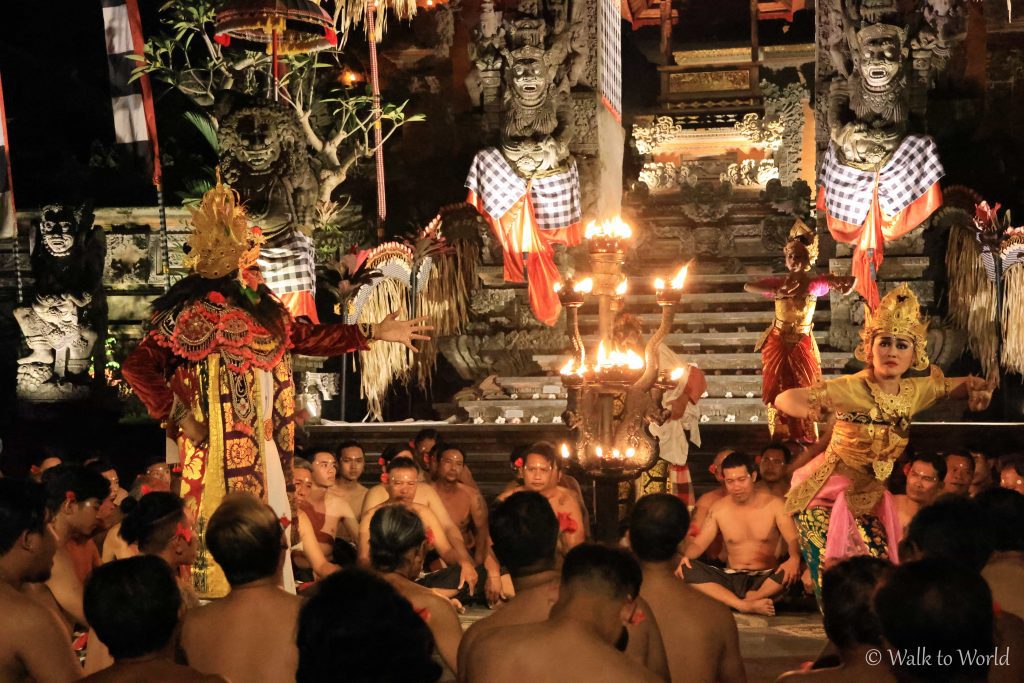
(287, 263)
(912, 170)
(555, 198)
(611, 57)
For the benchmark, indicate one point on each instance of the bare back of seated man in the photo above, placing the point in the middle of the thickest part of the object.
(34, 645)
(525, 535)
(351, 463)
(751, 522)
(142, 639)
(250, 634)
(702, 641)
(398, 546)
(578, 640)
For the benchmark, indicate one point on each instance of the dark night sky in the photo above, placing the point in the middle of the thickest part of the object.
(57, 96)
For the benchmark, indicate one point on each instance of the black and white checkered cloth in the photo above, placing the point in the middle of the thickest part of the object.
(611, 57)
(912, 170)
(555, 198)
(287, 262)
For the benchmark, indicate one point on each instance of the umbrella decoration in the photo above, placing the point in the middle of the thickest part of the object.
(282, 27)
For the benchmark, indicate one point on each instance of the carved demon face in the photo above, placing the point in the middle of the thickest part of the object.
(529, 80)
(259, 145)
(58, 228)
(881, 55)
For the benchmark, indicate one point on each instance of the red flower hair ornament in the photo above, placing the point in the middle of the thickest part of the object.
(70, 497)
(384, 477)
(183, 532)
(518, 463)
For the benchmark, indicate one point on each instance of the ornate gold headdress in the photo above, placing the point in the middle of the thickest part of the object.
(803, 234)
(899, 315)
(222, 241)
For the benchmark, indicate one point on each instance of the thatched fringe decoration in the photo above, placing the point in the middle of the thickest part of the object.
(446, 301)
(352, 13)
(383, 363)
(972, 296)
(1013, 320)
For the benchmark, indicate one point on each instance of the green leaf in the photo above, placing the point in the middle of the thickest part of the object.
(206, 127)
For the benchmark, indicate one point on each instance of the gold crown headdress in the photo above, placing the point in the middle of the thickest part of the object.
(809, 238)
(898, 315)
(222, 241)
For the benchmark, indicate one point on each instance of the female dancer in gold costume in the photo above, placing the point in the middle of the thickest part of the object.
(839, 498)
(789, 354)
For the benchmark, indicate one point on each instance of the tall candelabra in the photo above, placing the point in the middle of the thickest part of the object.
(614, 396)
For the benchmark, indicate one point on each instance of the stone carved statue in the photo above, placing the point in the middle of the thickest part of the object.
(532, 135)
(525, 63)
(878, 179)
(875, 97)
(263, 157)
(883, 60)
(63, 319)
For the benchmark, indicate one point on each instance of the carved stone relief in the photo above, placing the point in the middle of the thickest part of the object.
(648, 137)
(65, 315)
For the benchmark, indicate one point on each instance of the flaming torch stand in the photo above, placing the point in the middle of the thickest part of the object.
(612, 401)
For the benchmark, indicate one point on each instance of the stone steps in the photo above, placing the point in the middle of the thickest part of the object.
(696, 341)
(713, 362)
(723, 318)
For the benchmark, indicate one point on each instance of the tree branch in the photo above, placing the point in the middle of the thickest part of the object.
(311, 137)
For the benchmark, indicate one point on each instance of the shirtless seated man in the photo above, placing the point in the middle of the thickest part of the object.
(33, 644)
(714, 551)
(330, 514)
(141, 639)
(517, 462)
(73, 497)
(468, 511)
(250, 634)
(596, 600)
(702, 641)
(751, 522)
(925, 476)
(959, 473)
(351, 463)
(540, 474)
(525, 536)
(773, 467)
(425, 495)
(425, 453)
(402, 485)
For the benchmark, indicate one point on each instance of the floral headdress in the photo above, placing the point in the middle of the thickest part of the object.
(222, 241)
(805, 236)
(898, 315)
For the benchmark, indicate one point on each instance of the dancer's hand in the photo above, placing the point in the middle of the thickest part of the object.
(684, 562)
(197, 432)
(404, 332)
(790, 287)
(979, 392)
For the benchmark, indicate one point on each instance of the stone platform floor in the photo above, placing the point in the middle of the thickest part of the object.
(769, 645)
